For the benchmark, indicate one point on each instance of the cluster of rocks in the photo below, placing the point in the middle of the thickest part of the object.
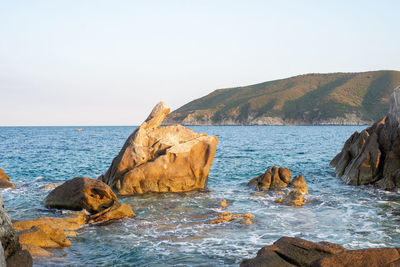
(373, 156)
(161, 159)
(280, 178)
(290, 251)
(81, 193)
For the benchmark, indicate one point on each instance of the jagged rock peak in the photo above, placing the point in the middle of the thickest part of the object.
(156, 117)
(395, 104)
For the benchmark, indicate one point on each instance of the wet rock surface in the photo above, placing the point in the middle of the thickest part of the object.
(373, 155)
(161, 159)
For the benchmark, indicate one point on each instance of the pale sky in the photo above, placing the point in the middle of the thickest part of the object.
(109, 62)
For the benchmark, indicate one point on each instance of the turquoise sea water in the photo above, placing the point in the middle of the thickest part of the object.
(172, 229)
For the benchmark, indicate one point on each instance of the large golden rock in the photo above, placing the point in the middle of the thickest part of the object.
(81, 193)
(5, 180)
(161, 159)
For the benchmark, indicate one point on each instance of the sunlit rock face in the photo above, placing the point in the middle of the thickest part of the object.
(373, 156)
(161, 159)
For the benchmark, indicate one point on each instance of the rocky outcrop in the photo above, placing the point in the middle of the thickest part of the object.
(373, 156)
(81, 193)
(13, 253)
(280, 178)
(47, 232)
(290, 251)
(5, 180)
(161, 159)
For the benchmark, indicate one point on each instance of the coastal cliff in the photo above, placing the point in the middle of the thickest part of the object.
(311, 99)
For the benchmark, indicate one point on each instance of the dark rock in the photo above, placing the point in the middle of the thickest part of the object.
(373, 257)
(9, 240)
(21, 258)
(81, 193)
(373, 156)
(291, 251)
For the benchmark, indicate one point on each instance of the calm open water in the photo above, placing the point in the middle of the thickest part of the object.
(172, 229)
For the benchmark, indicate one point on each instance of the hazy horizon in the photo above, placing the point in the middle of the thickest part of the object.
(73, 63)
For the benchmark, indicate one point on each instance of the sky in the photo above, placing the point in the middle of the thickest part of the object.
(94, 62)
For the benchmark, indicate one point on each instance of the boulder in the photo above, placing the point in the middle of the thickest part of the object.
(373, 155)
(5, 180)
(13, 253)
(161, 159)
(81, 193)
(291, 251)
(117, 211)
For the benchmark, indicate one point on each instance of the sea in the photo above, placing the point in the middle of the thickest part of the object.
(173, 229)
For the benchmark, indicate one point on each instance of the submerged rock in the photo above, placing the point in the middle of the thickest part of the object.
(49, 186)
(13, 253)
(224, 217)
(81, 193)
(373, 156)
(291, 251)
(5, 180)
(280, 178)
(161, 159)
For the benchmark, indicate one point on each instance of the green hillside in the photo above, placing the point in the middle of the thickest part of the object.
(303, 99)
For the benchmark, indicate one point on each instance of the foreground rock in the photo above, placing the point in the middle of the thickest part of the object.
(81, 193)
(11, 248)
(280, 178)
(5, 180)
(161, 159)
(373, 156)
(289, 251)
